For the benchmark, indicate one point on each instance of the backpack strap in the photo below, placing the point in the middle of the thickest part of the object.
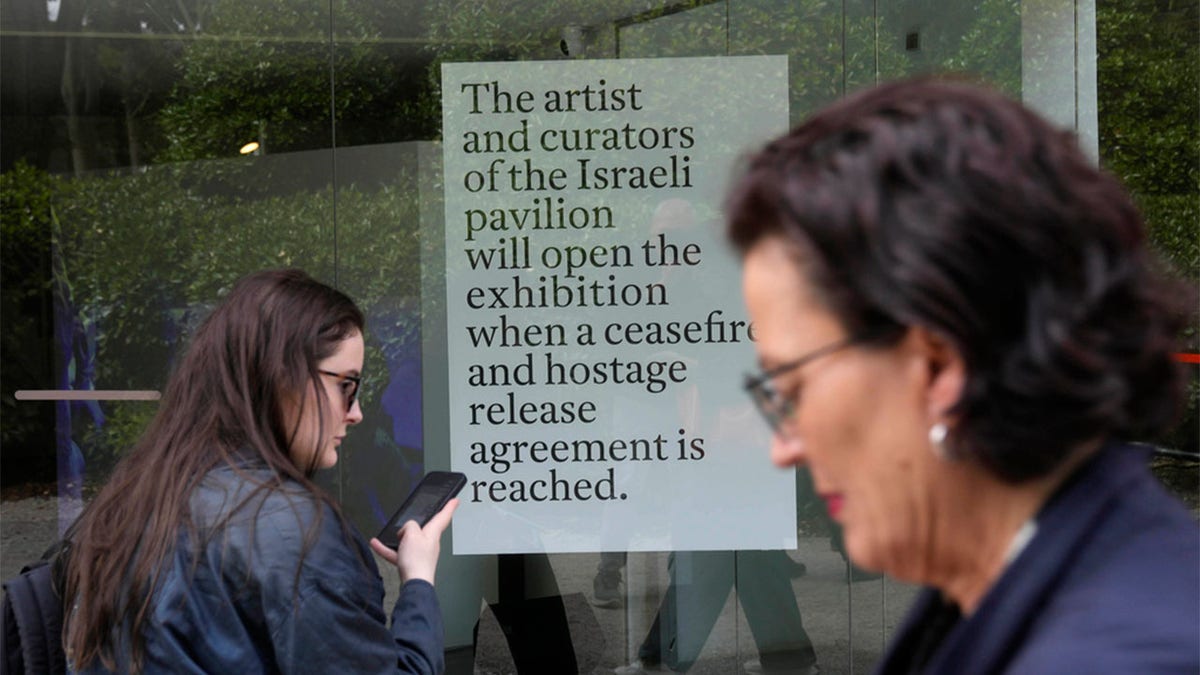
(33, 615)
(12, 662)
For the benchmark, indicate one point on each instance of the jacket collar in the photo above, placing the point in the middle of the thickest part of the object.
(984, 641)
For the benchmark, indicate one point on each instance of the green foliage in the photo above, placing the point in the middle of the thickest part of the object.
(1148, 75)
(25, 195)
(821, 45)
(148, 270)
(1148, 78)
(986, 48)
(144, 253)
(1175, 230)
(125, 422)
(271, 81)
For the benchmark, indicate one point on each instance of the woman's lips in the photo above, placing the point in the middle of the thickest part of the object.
(833, 504)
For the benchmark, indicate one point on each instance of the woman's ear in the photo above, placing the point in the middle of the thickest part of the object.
(947, 373)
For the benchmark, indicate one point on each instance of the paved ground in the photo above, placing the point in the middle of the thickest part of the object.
(27, 528)
(848, 624)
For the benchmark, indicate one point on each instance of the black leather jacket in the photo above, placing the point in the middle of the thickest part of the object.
(242, 604)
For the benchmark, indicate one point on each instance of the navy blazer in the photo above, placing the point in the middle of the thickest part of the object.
(237, 601)
(1110, 583)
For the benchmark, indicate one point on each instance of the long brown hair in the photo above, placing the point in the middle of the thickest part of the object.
(252, 358)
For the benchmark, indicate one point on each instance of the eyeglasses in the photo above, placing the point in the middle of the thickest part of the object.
(776, 408)
(348, 384)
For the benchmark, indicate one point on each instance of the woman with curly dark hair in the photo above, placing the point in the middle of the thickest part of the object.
(211, 550)
(960, 329)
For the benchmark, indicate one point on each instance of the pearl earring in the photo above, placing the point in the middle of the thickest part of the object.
(937, 438)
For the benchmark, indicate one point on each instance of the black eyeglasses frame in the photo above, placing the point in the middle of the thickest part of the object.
(776, 409)
(356, 380)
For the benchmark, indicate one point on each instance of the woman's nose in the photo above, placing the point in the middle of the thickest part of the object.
(355, 415)
(787, 451)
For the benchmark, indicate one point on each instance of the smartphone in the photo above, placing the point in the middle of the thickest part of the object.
(423, 503)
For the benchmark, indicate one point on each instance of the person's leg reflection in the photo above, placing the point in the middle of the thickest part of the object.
(606, 586)
(765, 590)
(700, 582)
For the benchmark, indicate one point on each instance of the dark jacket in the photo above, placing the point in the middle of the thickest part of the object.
(241, 604)
(1110, 583)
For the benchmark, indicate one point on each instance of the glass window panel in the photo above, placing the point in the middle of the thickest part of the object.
(128, 208)
(133, 209)
(1148, 99)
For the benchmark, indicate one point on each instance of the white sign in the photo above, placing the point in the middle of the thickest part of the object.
(597, 339)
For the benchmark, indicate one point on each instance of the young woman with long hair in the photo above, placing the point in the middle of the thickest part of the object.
(210, 548)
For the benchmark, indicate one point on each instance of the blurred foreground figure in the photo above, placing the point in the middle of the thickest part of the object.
(960, 327)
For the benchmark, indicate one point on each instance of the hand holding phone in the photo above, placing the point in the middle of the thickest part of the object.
(426, 499)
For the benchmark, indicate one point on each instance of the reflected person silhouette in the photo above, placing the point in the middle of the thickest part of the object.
(700, 583)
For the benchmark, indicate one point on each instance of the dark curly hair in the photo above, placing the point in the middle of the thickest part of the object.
(943, 204)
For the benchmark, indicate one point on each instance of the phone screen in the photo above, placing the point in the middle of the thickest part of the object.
(430, 495)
